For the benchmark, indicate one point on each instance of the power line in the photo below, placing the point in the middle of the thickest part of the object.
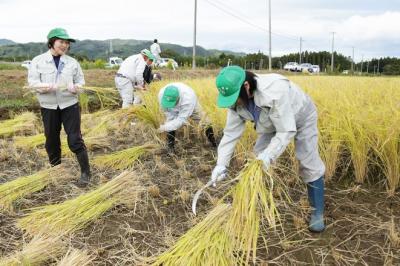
(223, 9)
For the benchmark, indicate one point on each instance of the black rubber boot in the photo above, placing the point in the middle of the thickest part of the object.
(83, 161)
(171, 142)
(210, 136)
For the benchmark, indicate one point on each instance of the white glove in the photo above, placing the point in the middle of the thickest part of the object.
(46, 88)
(161, 129)
(264, 157)
(218, 174)
(74, 89)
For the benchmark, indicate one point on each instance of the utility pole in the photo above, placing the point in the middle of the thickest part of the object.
(333, 48)
(194, 35)
(269, 34)
(378, 66)
(352, 62)
(301, 44)
(362, 63)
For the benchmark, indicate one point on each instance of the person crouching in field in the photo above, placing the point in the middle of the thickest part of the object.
(280, 111)
(57, 79)
(130, 76)
(179, 103)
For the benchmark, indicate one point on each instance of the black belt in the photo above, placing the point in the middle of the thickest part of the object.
(121, 76)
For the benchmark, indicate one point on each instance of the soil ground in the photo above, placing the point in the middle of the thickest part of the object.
(358, 216)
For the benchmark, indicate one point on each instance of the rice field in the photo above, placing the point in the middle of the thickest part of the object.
(138, 209)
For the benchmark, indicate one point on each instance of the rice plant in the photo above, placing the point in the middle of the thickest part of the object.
(122, 159)
(106, 96)
(14, 190)
(75, 214)
(23, 124)
(149, 112)
(40, 251)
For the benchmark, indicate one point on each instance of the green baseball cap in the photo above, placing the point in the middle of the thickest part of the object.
(170, 97)
(229, 81)
(59, 33)
(147, 53)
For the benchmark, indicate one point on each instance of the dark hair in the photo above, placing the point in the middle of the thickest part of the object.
(155, 40)
(51, 41)
(251, 78)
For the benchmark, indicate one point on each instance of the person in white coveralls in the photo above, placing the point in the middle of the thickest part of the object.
(280, 111)
(129, 77)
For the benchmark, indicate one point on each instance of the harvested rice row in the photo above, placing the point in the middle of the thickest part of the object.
(12, 191)
(40, 251)
(124, 159)
(75, 214)
(23, 124)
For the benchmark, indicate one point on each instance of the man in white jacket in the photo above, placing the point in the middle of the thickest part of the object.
(179, 103)
(280, 111)
(155, 50)
(130, 76)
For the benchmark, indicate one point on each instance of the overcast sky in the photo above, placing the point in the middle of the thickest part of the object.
(372, 27)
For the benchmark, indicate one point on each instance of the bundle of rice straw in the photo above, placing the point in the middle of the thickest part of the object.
(23, 124)
(253, 203)
(206, 244)
(40, 251)
(21, 187)
(124, 159)
(229, 234)
(29, 142)
(75, 214)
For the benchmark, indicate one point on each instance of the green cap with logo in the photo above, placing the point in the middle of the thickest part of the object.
(147, 53)
(229, 81)
(170, 97)
(59, 33)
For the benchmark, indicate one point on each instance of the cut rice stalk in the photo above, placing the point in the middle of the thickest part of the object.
(23, 124)
(123, 159)
(40, 251)
(75, 214)
(29, 142)
(253, 201)
(208, 243)
(91, 143)
(106, 96)
(21, 187)
(76, 257)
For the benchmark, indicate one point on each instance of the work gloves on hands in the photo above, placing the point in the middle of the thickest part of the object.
(218, 174)
(161, 129)
(264, 157)
(74, 89)
(46, 88)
